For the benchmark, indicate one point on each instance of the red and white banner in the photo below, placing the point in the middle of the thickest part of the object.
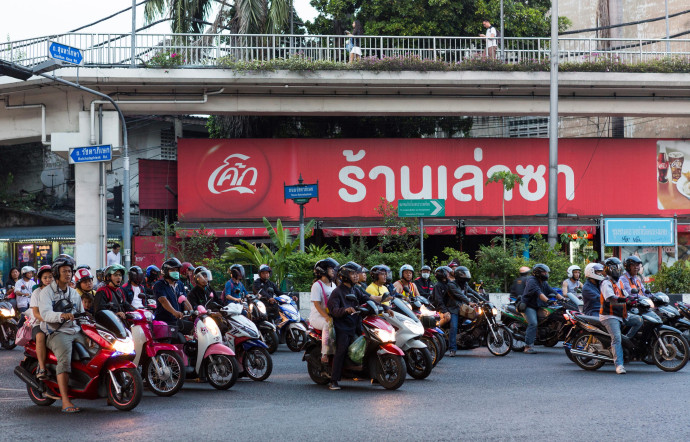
(243, 179)
(525, 230)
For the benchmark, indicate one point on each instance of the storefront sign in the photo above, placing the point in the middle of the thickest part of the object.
(639, 232)
(242, 179)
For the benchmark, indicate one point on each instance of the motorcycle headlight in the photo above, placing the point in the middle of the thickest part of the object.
(211, 326)
(125, 347)
(136, 316)
(494, 311)
(148, 315)
(262, 307)
(8, 313)
(415, 327)
(385, 335)
(425, 311)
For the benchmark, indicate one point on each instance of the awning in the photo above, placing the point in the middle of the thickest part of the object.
(375, 231)
(524, 230)
(50, 233)
(236, 232)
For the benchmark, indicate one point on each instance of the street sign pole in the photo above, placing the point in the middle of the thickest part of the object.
(421, 239)
(553, 131)
(301, 228)
(300, 194)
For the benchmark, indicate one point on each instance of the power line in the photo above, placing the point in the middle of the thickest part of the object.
(649, 20)
(108, 17)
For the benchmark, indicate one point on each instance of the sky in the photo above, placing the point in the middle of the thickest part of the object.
(23, 19)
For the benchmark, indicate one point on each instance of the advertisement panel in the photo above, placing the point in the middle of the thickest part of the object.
(242, 179)
(641, 232)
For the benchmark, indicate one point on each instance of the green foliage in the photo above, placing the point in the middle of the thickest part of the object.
(541, 252)
(358, 250)
(399, 234)
(21, 201)
(498, 265)
(194, 247)
(166, 59)
(462, 257)
(583, 253)
(674, 279)
(508, 181)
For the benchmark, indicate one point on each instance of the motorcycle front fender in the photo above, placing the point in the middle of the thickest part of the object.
(298, 325)
(668, 328)
(218, 349)
(390, 349)
(682, 323)
(153, 350)
(118, 364)
(253, 343)
(413, 343)
(266, 324)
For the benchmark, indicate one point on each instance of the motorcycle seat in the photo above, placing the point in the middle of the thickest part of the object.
(593, 320)
(79, 352)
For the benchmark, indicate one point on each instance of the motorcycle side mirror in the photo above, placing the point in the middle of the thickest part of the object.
(647, 292)
(634, 291)
(406, 290)
(210, 295)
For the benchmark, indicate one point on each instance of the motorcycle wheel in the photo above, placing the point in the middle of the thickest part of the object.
(271, 340)
(677, 348)
(390, 371)
(10, 330)
(221, 373)
(419, 362)
(131, 387)
(432, 346)
(37, 396)
(442, 346)
(295, 339)
(502, 345)
(257, 363)
(518, 344)
(173, 374)
(584, 362)
(314, 367)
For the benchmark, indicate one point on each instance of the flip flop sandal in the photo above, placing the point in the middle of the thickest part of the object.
(41, 374)
(71, 410)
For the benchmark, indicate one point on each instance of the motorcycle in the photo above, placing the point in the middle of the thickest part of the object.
(256, 312)
(669, 314)
(433, 337)
(241, 336)
(162, 364)
(383, 360)
(684, 310)
(408, 331)
(103, 368)
(8, 325)
(291, 329)
(655, 343)
(550, 328)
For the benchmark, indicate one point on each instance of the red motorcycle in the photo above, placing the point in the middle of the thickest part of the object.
(383, 362)
(102, 369)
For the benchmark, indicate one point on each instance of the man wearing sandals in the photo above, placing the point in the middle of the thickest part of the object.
(58, 303)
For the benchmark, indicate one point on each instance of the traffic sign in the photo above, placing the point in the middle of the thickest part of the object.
(65, 53)
(421, 208)
(90, 154)
(301, 192)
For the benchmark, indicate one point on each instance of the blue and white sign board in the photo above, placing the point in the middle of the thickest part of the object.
(65, 53)
(90, 154)
(299, 191)
(639, 232)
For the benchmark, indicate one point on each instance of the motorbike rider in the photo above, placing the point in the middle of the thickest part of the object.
(342, 306)
(234, 284)
(378, 285)
(132, 290)
(99, 279)
(57, 304)
(443, 277)
(153, 274)
(534, 297)
(110, 296)
(389, 279)
(572, 284)
(631, 279)
(168, 298)
(518, 285)
(591, 291)
(267, 291)
(23, 290)
(187, 276)
(405, 282)
(201, 294)
(321, 289)
(423, 282)
(450, 297)
(45, 278)
(84, 285)
(613, 311)
(362, 281)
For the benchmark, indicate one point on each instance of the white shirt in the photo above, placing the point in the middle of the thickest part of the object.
(491, 37)
(136, 301)
(317, 295)
(113, 258)
(23, 290)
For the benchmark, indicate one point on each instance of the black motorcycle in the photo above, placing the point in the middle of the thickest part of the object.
(669, 314)
(551, 324)
(256, 311)
(655, 343)
(8, 325)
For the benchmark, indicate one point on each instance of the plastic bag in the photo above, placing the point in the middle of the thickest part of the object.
(356, 350)
(329, 336)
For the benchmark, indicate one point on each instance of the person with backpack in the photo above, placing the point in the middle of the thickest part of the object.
(491, 39)
(321, 289)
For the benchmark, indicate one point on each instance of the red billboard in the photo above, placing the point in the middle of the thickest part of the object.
(222, 180)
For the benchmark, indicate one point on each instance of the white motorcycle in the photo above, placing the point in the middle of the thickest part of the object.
(408, 331)
(291, 329)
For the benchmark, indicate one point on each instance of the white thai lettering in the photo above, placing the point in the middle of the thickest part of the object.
(345, 179)
(476, 182)
(529, 174)
(442, 182)
(569, 181)
(425, 193)
(389, 176)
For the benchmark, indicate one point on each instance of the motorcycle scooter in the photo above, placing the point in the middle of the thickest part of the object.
(8, 325)
(256, 312)
(408, 333)
(291, 329)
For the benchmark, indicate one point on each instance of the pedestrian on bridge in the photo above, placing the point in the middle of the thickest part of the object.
(357, 29)
(491, 41)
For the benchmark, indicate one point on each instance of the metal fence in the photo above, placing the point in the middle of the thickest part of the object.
(206, 50)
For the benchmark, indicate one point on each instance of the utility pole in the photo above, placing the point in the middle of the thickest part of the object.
(553, 130)
(134, 35)
(503, 57)
(668, 32)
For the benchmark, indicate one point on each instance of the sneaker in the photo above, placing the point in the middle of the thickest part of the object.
(529, 350)
(334, 386)
(451, 354)
(620, 369)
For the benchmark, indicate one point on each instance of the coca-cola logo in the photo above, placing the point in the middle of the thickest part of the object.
(233, 182)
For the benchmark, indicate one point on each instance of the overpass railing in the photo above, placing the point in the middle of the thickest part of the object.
(208, 50)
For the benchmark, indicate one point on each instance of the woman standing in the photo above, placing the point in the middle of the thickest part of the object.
(357, 29)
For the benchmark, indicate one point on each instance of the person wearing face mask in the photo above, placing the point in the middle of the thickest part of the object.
(423, 283)
(201, 294)
(110, 296)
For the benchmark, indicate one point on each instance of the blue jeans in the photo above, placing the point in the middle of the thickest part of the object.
(613, 326)
(453, 336)
(532, 322)
(635, 323)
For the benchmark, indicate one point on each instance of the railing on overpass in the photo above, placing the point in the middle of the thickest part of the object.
(206, 50)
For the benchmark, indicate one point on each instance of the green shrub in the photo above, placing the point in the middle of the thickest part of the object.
(674, 279)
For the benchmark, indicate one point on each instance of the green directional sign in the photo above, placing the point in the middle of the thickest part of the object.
(421, 208)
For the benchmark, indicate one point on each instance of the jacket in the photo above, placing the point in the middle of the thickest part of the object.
(129, 292)
(444, 301)
(533, 288)
(345, 323)
(47, 298)
(108, 298)
(424, 286)
(518, 287)
(200, 296)
(591, 297)
(261, 287)
(614, 306)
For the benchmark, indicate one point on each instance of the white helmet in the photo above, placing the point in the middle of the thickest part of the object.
(592, 268)
(571, 269)
(405, 267)
(27, 269)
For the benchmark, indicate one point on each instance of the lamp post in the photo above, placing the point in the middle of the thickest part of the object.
(553, 130)
(503, 57)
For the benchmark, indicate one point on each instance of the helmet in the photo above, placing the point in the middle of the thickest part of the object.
(82, 275)
(427, 268)
(84, 266)
(172, 263)
(265, 268)
(41, 270)
(630, 260)
(462, 273)
(364, 270)
(376, 271)
(571, 269)
(442, 273)
(152, 269)
(201, 270)
(389, 273)
(453, 263)
(613, 268)
(112, 269)
(27, 269)
(346, 271)
(524, 270)
(186, 266)
(61, 261)
(591, 271)
(541, 271)
(405, 267)
(237, 271)
(321, 267)
(135, 274)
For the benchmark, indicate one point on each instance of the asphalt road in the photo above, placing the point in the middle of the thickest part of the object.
(473, 396)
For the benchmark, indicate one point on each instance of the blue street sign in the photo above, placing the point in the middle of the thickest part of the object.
(90, 154)
(65, 53)
(639, 232)
(301, 191)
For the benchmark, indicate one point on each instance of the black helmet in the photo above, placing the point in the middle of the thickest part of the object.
(389, 273)
(83, 266)
(376, 271)
(541, 271)
(613, 268)
(442, 273)
(630, 260)
(135, 274)
(62, 261)
(237, 271)
(172, 263)
(265, 268)
(364, 270)
(321, 267)
(347, 270)
(462, 273)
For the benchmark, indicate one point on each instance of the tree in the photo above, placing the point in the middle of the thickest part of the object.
(508, 181)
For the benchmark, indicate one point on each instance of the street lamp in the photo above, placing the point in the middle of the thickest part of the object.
(553, 130)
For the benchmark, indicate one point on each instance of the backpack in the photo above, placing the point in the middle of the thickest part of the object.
(498, 33)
